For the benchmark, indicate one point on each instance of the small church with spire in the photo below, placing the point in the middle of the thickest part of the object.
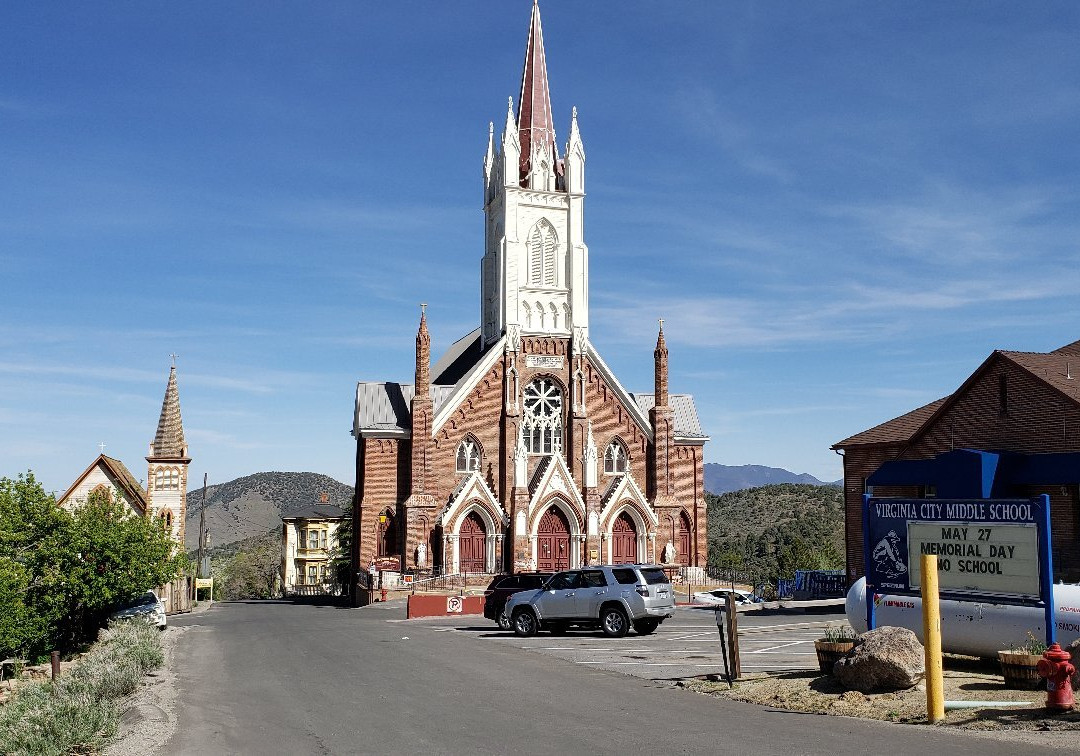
(519, 449)
(166, 477)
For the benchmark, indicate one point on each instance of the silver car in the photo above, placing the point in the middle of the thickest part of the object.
(611, 597)
(147, 607)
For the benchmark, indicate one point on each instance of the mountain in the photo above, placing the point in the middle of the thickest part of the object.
(719, 479)
(253, 505)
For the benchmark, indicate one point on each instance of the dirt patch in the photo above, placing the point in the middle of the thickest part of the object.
(149, 714)
(964, 679)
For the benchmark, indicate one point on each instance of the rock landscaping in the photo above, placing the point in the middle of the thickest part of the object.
(884, 659)
(965, 678)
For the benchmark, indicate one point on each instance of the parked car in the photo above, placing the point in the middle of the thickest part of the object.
(719, 596)
(611, 597)
(503, 587)
(147, 607)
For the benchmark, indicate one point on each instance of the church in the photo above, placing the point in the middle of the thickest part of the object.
(519, 449)
(166, 474)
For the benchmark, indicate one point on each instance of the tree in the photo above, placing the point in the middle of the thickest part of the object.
(33, 536)
(120, 555)
(62, 573)
(339, 573)
(253, 573)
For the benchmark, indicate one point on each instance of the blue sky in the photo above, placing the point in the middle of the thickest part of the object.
(838, 208)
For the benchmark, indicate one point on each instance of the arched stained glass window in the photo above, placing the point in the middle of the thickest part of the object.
(615, 458)
(542, 425)
(468, 455)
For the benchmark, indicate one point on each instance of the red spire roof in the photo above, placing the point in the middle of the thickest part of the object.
(534, 106)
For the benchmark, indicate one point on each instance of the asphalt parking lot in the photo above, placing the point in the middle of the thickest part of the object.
(687, 645)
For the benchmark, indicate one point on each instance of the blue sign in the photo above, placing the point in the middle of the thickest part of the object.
(986, 549)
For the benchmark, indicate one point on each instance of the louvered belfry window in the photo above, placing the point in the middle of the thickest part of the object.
(542, 244)
(542, 425)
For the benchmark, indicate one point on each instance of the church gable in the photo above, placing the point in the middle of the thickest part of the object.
(111, 476)
(553, 479)
(622, 494)
(471, 493)
(477, 415)
(614, 420)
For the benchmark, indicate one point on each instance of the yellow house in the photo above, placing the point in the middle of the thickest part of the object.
(308, 544)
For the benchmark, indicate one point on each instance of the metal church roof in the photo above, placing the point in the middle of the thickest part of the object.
(687, 425)
(535, 125)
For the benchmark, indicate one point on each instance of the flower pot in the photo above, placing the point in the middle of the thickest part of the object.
(830, 652)
(1019, 670)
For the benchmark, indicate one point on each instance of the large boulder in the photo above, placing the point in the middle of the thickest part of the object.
(1074, 656)
(884, 659)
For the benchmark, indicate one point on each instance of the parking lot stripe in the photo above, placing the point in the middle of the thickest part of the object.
(767, 649)
(665, 664)
(770, 628)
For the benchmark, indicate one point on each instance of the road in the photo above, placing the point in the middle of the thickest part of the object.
(282, 678)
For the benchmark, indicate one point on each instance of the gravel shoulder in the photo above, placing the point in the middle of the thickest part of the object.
(964, 680)
(149, 717)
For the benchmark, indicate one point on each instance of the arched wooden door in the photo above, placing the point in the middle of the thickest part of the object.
(387, 546)
(472, 545)
(685, 531)
(553, 541)
(623, 540)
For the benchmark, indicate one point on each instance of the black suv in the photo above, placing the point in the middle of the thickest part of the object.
(503, 587)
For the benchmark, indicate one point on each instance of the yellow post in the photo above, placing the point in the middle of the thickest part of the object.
(931, 623)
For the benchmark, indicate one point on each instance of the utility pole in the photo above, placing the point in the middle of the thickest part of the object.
(202, 530)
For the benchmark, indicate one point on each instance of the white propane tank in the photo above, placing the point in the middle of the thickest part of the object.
(970, 627)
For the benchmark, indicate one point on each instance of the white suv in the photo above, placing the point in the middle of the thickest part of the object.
(612, 597)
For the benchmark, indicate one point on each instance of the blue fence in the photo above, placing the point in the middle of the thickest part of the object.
(815, 584)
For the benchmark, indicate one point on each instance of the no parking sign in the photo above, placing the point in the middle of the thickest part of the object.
(453, 604)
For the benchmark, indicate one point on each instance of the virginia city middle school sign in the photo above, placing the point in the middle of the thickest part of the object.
(987, 549)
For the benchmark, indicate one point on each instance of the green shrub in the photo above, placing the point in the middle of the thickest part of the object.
(81, 713)
(62, 573)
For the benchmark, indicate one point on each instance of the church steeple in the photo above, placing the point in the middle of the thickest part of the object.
(423, 355)
(422, 409)
(660, 358)
(169, 440)
(167, 464)
(539, 165)
(661, 479)
(534, 277)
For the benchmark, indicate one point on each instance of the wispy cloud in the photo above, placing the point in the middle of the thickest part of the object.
(947, 224)
(223, 440)
(698, 108)
(85, 371)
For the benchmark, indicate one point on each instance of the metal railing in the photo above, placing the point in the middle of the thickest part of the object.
(317, 589)
(457, 581)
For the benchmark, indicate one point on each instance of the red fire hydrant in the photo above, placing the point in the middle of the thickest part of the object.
(1056, 667)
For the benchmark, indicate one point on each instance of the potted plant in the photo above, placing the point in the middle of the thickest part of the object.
(1018, 665)
(834, 646)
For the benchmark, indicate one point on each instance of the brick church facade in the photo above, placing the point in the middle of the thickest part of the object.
(519, 449)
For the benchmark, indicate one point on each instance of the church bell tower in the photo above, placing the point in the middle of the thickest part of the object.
(535, 269)
(167, 472)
